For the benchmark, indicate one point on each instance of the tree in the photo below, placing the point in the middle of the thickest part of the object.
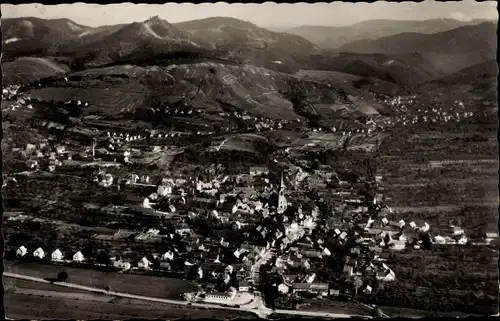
(62, 276)
(103, 258)
(357, 284)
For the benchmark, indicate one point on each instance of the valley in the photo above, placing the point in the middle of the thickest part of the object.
(212, 158)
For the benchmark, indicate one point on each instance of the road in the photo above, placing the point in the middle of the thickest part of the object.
(261, 310)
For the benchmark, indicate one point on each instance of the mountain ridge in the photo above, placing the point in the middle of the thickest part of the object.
(329, 37)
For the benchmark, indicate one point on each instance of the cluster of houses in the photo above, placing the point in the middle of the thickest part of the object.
(56, 256)
(414, 113)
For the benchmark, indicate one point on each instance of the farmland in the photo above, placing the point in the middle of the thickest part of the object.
(166, 288)
(26, 300)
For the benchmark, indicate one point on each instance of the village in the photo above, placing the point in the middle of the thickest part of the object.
(292, 234)
(224, 231)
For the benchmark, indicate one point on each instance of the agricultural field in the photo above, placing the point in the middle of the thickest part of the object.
(420, 187)
(32, 302)
(159, 287)
(463, 278)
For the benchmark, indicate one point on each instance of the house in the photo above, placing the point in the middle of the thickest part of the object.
(124, 266)
(57, 255)
(397, 245)
(219, 296)
(78, 257)
(462, 240)
(258, 170)
(319, 288)
(244, 286)
(334, 292)
(367, 290)
(39, 253)
(311, 254)
(183, 229)
(167, 256)
(387, 275)
(458, 230)
(164, 190)
(348, 270)
(21, 251)
(491, 237)
(438, 239)
(283, 288)
(144, 263)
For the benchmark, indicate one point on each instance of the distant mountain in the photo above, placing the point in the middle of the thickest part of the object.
(447, 51)
(247, 43)
(405, 70)
(138, 40)
(479, 72)
(462, 39)
(35, 36)
(335, 37)
(154, 39)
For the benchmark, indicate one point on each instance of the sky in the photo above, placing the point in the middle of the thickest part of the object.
(268, 14)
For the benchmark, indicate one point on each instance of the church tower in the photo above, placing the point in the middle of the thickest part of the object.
(282, 203)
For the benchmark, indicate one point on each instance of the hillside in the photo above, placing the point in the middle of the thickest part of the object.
(335, 37)
(485, 70)
(140, 40)
(405, 70)
(36, 36)
(26, 70)
(247, 43)
(481, 37)
(204, 95)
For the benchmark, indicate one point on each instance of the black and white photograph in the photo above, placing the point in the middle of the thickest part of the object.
(250, 161)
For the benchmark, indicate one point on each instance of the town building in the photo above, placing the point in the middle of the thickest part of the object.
(319, 288)
(21, 251)
(78, 257)
(282, 201)
(39, 253)
(57, 255)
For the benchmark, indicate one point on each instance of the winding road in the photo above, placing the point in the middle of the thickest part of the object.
(261, 310)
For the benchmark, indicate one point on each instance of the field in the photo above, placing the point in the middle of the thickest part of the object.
(45, 301)
(159, 287)
(25, 70)
(446, 278)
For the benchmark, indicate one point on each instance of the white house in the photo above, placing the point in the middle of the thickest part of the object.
(57, 255)
(439, 239)
(39, 253)
(122, 265)
(244, 286)
(164, 190)
(367, 290)
(78, 257)
(144, 263)
(458, 230)
(283, 288)
(168, 256)
(462, 240)
(257, 170)
(21, 251)
(107, 180)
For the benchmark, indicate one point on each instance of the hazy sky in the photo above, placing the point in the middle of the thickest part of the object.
(268, 14)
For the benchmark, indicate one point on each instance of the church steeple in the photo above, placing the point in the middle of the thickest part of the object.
(282, 202)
